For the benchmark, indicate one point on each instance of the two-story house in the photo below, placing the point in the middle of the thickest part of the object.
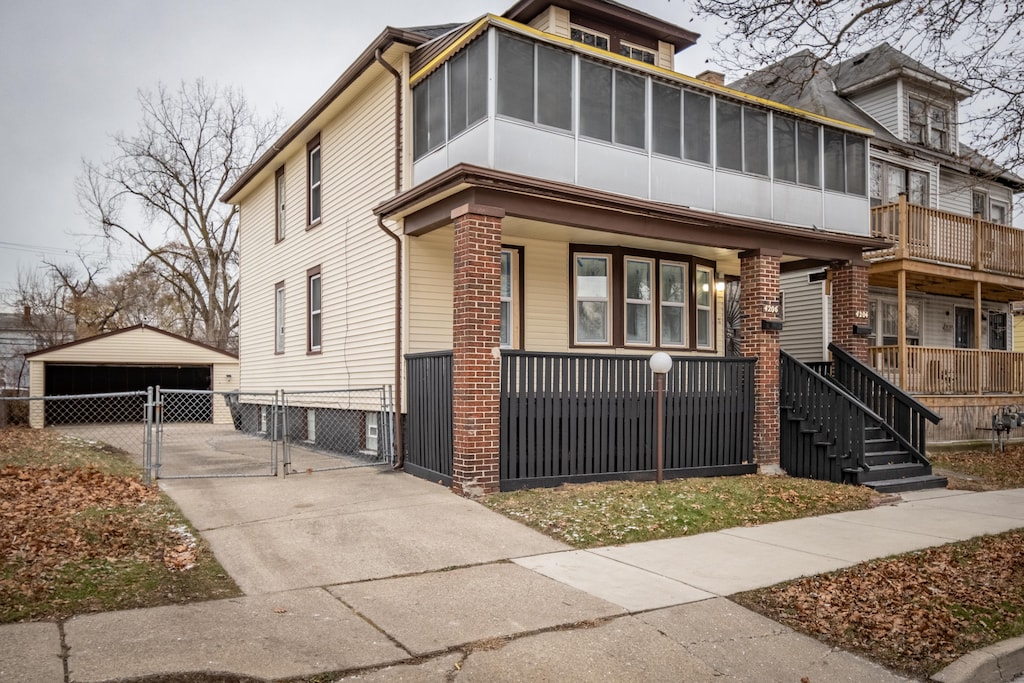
(940, 296)
(505, 218)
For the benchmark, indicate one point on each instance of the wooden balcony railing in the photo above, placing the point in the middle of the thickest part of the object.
(948, 238)
(952, 371)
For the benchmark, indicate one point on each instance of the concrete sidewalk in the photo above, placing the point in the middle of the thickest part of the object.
(377, 576)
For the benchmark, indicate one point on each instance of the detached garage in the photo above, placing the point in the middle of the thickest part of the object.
(131, 359)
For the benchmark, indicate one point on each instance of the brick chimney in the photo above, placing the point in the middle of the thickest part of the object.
(715, 77)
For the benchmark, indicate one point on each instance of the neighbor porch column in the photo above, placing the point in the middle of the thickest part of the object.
(850, 307)
(759, 283)
(476, 339)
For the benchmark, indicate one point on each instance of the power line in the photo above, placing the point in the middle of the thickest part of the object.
(56, 251)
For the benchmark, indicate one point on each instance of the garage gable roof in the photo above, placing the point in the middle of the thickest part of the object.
(137, 345)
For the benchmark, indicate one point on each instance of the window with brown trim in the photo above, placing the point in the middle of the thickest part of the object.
(511, 297)
(314, 310)
(641, 299)
(279, 206)
(279, 317)
(314, 193)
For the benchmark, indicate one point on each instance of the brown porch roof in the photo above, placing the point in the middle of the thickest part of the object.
(428, 206)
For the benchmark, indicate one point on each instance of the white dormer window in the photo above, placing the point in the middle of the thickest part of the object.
(929, 125)
(588, 37)
(641, 54)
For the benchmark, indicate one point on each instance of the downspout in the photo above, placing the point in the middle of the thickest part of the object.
(399, 440)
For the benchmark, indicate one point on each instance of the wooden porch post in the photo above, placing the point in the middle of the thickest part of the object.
(476, 360)
(901, 325)
(759, 282)
(903, 227)
(978, 366)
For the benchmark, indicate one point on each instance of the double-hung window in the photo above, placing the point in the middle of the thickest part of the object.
(279, 317)
(279, 204)
(675, 283)
(929, 124)
(705, 293)
(593, 298)
(314, 196)
(639, 307)
(511, 264)
(314, 310)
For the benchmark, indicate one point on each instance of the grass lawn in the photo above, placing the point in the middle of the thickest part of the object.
(80, 533)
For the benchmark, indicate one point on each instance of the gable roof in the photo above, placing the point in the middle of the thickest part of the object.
(141, 332)
(803, 81)
(883, 63)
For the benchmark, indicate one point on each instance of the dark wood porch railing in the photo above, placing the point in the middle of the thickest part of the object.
(896, 407)
(585, 417)
(928, 234)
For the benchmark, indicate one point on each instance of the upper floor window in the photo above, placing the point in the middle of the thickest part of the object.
(534, 83)
(588, 37)
(450, 100)
(742, 138)
(641, 54)
(314, 196)
(612, 105)
(680, 123)
(279, 204)
(844, 162)
(888, 181)
(929, 124)
(1000, 213)
(795, 151)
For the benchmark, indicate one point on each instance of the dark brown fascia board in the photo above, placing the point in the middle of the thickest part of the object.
(388, 37)
(526, 10)
(96, 337)
(428, 206)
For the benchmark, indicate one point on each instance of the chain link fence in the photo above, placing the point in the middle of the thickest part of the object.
(329, 430)
(176, 434)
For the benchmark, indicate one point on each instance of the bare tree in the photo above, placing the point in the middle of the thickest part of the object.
(192, 144)
(976, 42)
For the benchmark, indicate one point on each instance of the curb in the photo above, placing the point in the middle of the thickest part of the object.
(999, 663)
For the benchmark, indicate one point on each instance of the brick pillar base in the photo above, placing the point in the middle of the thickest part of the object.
(850, 307)
(476, 338)
(759, 294)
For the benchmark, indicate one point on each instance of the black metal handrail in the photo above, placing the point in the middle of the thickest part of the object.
(898, 409)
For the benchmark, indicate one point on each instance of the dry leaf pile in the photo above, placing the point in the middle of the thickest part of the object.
(917, 612)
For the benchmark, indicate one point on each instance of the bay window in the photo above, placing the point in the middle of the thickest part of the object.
(638, 301)
(593, 295)
(674, 287)
(705, 280)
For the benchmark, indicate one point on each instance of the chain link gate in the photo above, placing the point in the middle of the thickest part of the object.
(339, 429)
(209, 434)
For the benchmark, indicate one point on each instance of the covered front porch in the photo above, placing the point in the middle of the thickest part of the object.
(943, 331)
(544, 301)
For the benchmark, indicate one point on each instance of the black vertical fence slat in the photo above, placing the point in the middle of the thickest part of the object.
(429, 423)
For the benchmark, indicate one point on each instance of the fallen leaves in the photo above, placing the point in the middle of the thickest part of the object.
(916, 612)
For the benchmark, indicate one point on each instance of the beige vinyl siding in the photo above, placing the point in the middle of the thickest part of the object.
(140, 346)
(1018, 333)
(807, 324)
(882, 104)
(546, 295)
(666, 55)
(36, 378)
(554, 20)
(356, 259)
(429, 309)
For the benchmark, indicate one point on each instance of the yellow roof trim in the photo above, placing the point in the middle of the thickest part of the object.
(611, 56)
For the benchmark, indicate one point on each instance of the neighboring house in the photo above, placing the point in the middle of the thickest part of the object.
(21, 333)
(940, 297)
(132, 359)
(504, 218)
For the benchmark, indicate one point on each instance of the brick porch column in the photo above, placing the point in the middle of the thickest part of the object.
(850, 307)
(476, 337)
(759, 287)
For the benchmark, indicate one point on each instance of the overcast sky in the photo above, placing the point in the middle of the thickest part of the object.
(70, 71)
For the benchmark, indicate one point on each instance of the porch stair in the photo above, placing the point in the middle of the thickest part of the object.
(889, 468)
